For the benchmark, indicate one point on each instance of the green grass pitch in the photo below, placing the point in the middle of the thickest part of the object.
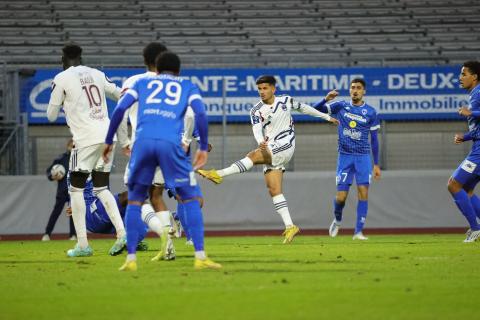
(315, 277)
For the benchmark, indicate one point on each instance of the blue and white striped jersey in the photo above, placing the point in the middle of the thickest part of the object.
(274, 122)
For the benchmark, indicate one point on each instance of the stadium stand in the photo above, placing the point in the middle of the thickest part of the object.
(247, 34)
(242, 33)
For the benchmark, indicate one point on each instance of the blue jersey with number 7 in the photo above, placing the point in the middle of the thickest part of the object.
(162, 102)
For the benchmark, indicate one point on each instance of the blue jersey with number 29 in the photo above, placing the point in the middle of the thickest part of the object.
(162, 102)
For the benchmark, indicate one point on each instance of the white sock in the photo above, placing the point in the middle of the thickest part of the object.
(149, 217)
(131, 257)
(282, 209)
(164, 217)
(108, 201)
(200, 255)
(239, 166)
(79, 211)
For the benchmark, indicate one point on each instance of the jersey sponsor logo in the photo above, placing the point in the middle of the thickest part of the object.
(468, 166)
(352, 124)
(355, 117)
(162, 113)
(354, 134)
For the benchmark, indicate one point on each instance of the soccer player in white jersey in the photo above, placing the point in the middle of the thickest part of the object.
(273, 129)
(81, 91)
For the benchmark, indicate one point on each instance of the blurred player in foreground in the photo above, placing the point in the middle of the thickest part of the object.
(463, 181)
(274, 132)
(162, 102)
(358, 121)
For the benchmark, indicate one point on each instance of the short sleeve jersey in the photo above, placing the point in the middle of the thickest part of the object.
(81, 91)
(162, 102)
(474, 122)
(132, 111)
(356, 122)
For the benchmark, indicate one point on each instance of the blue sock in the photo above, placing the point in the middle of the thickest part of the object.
(194, 219)
(134, 225)
(476, 204)
(465, 206)
(181, 217)
(338, 210)
(362, 209)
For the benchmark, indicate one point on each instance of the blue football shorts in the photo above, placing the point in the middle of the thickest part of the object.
(468, 172)
(351, 166)
(147, 154)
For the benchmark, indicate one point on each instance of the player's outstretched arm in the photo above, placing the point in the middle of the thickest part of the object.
(309, 110)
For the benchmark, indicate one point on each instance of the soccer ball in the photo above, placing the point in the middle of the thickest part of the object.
(59, 170)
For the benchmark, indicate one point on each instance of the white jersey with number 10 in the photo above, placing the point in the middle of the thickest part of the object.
(81, 91)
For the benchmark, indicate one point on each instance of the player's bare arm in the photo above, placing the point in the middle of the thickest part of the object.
(331, 95)
(200, 160)
(377, 172)
(464, 111)
(459, 138)
(107, 150)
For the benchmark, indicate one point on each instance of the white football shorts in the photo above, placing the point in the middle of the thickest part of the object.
(281, 151)
(158, 179)
(88, 159)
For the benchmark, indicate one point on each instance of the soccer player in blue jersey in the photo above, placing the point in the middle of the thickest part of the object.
(358, 121)
(463, 181)
(162, 103)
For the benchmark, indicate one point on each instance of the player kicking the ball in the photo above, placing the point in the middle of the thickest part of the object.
(273, 129)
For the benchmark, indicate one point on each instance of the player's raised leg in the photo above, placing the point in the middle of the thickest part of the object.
(254, 157)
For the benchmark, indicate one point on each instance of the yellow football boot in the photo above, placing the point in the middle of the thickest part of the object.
(163, 245)
(290, 233)
(129, 266)
(206, 264)
(211, 175)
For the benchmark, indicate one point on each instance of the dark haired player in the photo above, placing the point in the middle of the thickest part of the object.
(162, 102)
(274, 132)
(357, 120)
(81, 91)
(463, 181)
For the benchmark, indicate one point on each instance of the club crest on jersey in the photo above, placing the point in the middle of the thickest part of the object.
(468, 166)
(347, 108)
(364, 111)
(352, 124)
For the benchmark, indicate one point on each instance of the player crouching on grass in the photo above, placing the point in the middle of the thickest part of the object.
(274, 132)
(98, 221)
